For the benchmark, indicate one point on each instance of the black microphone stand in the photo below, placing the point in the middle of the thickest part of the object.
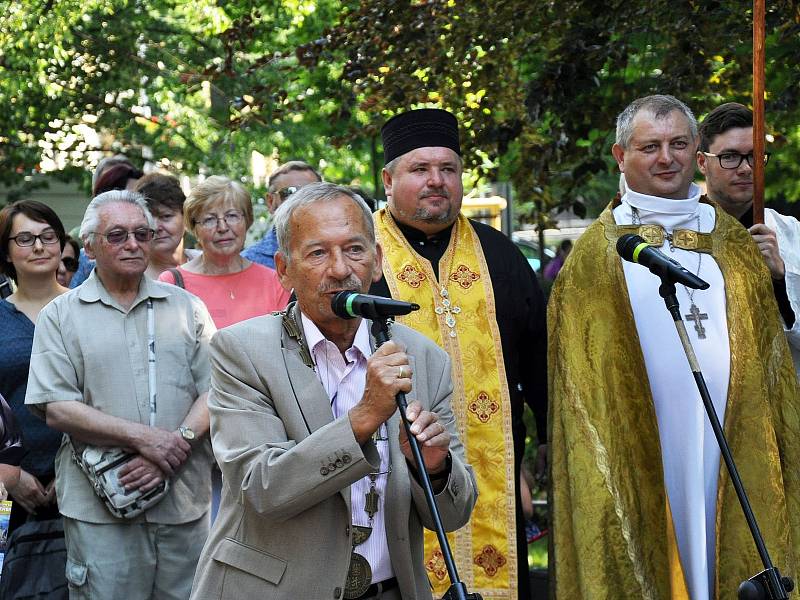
(768, 584)
(457, 590)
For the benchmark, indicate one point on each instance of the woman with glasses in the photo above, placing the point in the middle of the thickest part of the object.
(32, 239)
(69, 261)
(218, 212)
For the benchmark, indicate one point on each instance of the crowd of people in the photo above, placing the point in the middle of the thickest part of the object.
(134, 366)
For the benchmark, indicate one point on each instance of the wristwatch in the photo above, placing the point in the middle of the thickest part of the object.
(187, 433)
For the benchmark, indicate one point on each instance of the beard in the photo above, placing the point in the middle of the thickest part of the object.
(428, 216)
(435, 215)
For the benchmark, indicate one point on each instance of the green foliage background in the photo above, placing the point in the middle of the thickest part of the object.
(536, 84)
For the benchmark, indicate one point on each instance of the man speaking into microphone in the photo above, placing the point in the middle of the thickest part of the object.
(321, 498)
(641, 505)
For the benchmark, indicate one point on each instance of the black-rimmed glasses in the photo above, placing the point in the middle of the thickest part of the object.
(26, 239)
(732, 160)
(120, 236)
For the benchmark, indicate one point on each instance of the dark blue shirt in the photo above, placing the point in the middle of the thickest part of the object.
(16, 341)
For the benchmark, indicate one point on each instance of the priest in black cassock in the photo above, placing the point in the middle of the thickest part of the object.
(481, 302)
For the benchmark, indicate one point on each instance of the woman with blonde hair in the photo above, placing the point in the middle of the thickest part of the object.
(218, 212)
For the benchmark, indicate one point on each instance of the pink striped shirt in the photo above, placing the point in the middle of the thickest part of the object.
(344, 379)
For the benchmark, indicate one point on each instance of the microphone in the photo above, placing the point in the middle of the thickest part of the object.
(634, 249)
(349, 305)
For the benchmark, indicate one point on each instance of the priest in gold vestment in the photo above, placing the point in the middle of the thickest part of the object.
(642, 504)
(480, 301)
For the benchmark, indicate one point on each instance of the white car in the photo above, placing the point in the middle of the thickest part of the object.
(530, 250)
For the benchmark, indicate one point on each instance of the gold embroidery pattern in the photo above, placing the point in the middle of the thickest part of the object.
(435, 565)
(652, 234)
(489, 457)
(490, 513)
(411, 276)
(477, 335)
(490, 560)
(464, 277)
(483, 407)
(655, 235)
(685, 238)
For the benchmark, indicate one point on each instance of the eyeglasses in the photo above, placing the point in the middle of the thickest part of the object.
(287, 191)
(70, 264)
(26, 238)
(210, 221)
(732, 160)
(120, 236)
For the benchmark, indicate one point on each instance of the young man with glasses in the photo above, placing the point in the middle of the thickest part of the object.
(90, 378)
(725, 157)
(283, 182)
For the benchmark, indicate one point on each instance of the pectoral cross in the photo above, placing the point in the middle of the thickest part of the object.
(450, 310)
(696, 316)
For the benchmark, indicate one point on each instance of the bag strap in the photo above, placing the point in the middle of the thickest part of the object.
(151, 359)
(178, 278)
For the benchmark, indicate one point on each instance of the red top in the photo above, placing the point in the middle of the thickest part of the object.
(234, 297)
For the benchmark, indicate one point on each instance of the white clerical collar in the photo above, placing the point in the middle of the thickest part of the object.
(665, 206)
(687, 213)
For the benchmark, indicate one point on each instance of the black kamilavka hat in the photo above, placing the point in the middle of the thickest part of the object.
(420, 128)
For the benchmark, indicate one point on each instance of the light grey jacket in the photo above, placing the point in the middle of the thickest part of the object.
(283, 530)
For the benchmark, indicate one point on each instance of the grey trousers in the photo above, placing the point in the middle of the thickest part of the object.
(135, 561)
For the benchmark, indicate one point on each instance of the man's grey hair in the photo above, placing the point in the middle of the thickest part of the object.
(91, 218)
(659, 106)
(313, 194)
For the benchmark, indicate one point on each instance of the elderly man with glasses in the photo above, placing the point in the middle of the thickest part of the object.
(122, 363)
(725, 158)
(283, 182)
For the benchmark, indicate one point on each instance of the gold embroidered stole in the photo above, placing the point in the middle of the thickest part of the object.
(458, 313)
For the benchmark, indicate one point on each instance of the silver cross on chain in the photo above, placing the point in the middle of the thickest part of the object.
(448, 309)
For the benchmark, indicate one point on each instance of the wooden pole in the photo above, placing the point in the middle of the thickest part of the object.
(759, 16)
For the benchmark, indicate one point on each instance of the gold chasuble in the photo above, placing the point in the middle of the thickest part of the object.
(458, 313)
(612, 532)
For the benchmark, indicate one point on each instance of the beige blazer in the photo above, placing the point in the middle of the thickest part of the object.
(283, 529)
